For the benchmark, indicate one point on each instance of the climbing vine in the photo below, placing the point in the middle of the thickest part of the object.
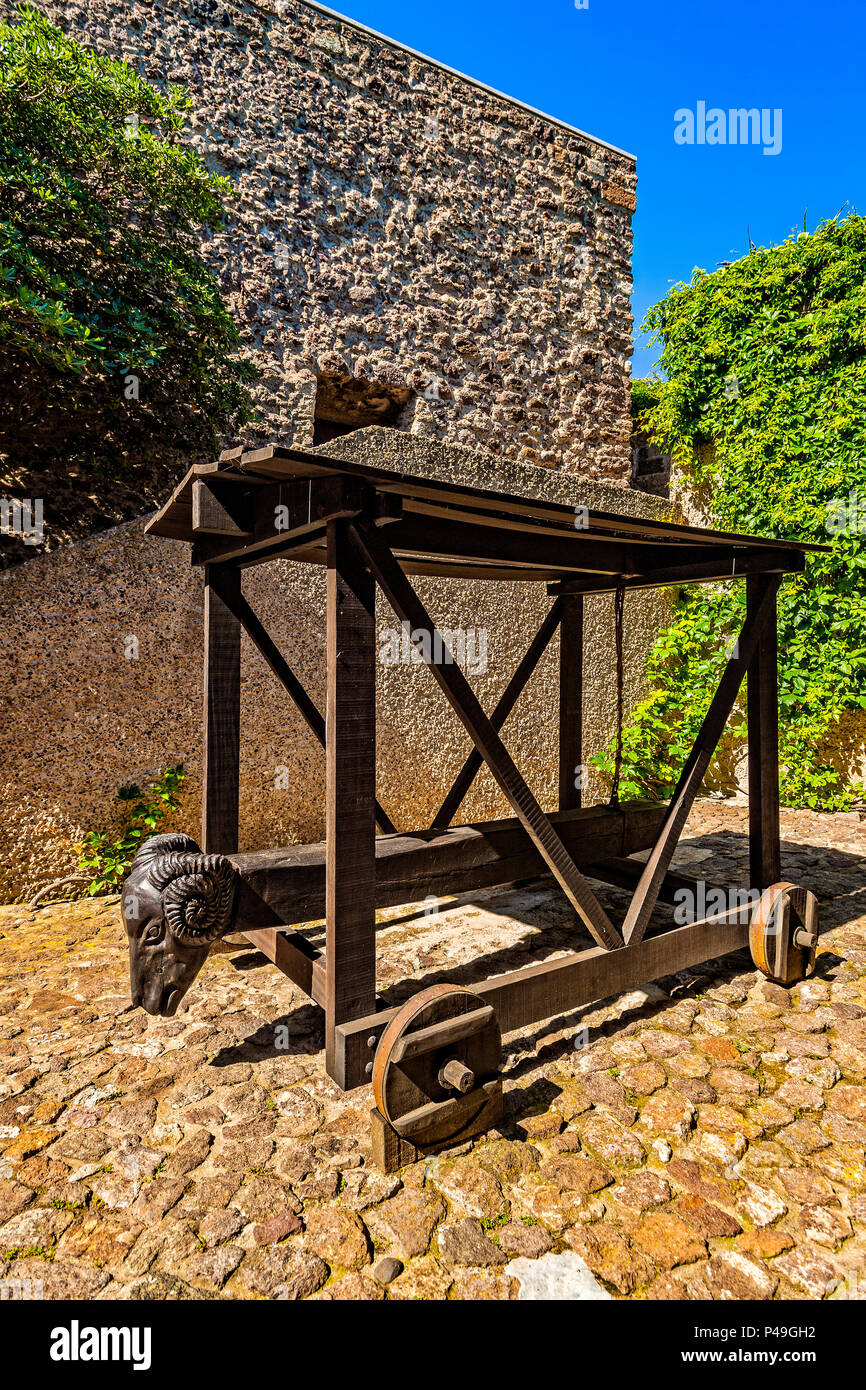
(764, 412)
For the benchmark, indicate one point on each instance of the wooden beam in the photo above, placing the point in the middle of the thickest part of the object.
(222, 708)
(762, 703)
(467, 569)
(308, 547)
(559, 549)
(262, 640)
(463, 701)
(350, 786)
(218, 512)
(692, 775)
(278, 887)
(569, 982)
(295, 957)
(571, 702)
(711, 571)
(507, 700)
(539, 991)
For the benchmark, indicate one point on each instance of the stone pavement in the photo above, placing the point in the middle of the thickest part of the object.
(702, 1138)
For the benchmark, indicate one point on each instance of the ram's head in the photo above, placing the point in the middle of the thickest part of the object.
(176, 903)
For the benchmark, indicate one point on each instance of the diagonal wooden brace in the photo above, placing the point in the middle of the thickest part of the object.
(647, 891)
(511, 694)
(409, 608)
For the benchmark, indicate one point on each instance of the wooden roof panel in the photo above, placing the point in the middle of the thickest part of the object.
(497, 515)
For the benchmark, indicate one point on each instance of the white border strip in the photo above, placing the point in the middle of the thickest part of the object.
(434, 62)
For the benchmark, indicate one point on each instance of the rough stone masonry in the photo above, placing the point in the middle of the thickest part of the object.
(404, 243)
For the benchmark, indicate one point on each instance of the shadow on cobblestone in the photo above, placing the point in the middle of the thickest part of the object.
(706, 1138)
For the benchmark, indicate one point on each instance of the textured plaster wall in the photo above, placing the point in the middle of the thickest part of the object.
(398, 223)
(80, 718)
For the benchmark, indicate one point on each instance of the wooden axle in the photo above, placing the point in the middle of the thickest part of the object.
(458, 1077)
(565, 984)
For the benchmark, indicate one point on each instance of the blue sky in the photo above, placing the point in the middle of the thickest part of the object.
(620, 69)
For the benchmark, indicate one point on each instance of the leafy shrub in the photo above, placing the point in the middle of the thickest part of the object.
(644, 395)
(113, 332)
(107, 854)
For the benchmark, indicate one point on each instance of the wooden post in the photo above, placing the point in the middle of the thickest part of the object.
(350, 756)
(570, 700)
(222, 708)
(763, 716)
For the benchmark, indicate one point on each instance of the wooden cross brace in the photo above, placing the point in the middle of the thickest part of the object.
(507, 701)
(744, 649)
(489, 748)
(408, 607)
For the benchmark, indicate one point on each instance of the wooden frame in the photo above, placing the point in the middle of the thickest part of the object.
(350, 787)
(222, 711)
(570, 701)
(374, 530)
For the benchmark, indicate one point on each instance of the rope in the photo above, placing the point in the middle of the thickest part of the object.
(618, 610)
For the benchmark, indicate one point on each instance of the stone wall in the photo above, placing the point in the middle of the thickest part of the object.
(650, 467)
(80, 718)
(398, 223)
(405, 247)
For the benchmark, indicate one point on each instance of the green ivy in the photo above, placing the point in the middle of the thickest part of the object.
(644, 395)
(108, 854)
(764, 412)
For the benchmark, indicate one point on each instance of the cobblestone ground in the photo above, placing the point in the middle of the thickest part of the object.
(708, 1141)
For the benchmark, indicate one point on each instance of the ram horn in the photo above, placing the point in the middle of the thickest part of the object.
(158, 845)
(197, 894)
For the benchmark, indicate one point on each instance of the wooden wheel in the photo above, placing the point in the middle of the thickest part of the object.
(435, 1071)
(783, 933)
